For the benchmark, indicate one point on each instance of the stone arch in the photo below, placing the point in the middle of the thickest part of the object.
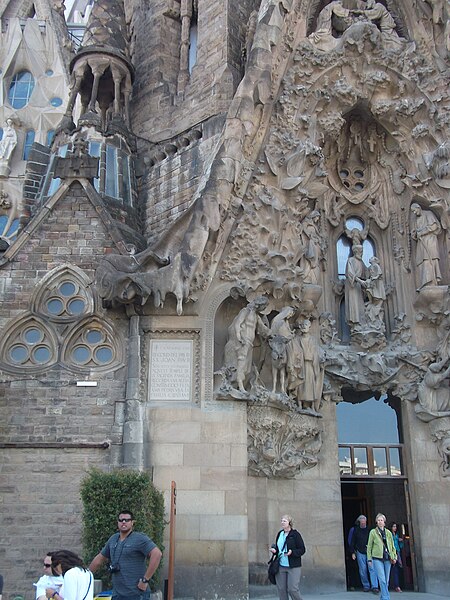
(215, 302)
(64, 295)
(29, 344)
(93, 344)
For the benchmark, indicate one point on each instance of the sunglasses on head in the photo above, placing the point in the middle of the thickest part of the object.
(124, 520)
(48, 566)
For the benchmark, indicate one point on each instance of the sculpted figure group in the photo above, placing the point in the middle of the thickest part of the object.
(289, 351)
(334, 19)
(364, 292)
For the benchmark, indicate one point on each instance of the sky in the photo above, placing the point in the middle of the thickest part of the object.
(369, 422)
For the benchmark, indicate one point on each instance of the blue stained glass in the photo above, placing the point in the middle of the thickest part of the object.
(21, 89)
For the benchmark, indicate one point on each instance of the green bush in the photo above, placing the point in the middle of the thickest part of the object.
(104, 495)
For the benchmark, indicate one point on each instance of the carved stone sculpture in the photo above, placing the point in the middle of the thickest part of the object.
(281, 444)
(379, 14)
(355, 274)
(425, 231)
(309, 392)
(312, 247)
(7, 145)
(434, 393)
(323, 37)
(284, 355)
(376, 294)
(241, 336)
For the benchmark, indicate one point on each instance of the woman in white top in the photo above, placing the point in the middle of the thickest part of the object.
(50, 579)
(78, 581)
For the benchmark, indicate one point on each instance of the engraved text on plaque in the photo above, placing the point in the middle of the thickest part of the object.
(170, 370)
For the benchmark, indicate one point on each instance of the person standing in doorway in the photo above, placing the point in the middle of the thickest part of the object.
(398, 543)
(381, 554)
(127, 552)
(358, 546)
(289, 546)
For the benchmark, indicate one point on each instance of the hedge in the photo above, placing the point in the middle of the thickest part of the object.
(104, 496)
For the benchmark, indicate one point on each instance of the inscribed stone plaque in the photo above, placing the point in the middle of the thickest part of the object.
(171, 370)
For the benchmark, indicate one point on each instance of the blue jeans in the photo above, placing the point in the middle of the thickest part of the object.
(383, 569)
(396, 575)
(363, 567)
(138, 596)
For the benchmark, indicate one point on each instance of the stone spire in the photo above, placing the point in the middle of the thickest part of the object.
(101, 71)
(107, 28)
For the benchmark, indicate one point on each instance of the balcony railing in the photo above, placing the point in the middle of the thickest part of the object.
(371, 460)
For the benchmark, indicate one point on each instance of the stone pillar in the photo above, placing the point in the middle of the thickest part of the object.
(133, 424)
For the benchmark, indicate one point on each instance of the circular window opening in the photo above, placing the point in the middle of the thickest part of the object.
(94, 336)
(103, 355)
(55, 306)
(344, 173)
(346, 183)
(49, 72)
(81, 354)
(56, 101)
(18, 354)
(359, 186)
(33, 335)
(67, 288)
(41, 354)
(76, 307)
(359, 174)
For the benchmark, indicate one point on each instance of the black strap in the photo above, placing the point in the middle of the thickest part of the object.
(384, 540)
(89, 586)
(274, 555)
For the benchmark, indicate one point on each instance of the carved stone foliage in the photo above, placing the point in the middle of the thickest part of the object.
(281, 444)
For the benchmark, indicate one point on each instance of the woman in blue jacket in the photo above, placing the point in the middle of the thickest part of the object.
(289, 547)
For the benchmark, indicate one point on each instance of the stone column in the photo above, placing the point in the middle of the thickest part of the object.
(133, 422)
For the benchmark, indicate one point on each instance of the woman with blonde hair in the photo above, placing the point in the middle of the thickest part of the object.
(381, 553)
(288, 549)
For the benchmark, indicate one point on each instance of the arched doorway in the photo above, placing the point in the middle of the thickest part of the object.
(373, 477)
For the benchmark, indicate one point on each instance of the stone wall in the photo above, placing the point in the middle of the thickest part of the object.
(160, 112)
(45, 414)
(169, 185)
(314, 502)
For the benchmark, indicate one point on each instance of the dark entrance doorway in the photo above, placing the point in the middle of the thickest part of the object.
(373, 479)
(368, 497)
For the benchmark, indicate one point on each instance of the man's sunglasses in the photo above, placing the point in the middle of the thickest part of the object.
(47, 566)
(124, 520)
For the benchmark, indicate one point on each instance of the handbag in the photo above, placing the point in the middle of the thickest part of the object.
(274, 566)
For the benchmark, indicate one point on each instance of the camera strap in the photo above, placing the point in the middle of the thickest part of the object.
(115, 561)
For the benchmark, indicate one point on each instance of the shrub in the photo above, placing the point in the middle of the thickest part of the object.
(104, 495)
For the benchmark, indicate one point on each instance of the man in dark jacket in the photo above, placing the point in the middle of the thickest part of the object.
(358, 547)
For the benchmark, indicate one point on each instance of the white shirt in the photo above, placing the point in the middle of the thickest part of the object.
(78, 585)
(48, 581)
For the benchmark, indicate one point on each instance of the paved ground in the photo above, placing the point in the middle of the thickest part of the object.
(362, 596)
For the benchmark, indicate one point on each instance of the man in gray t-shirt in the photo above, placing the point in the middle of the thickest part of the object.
(127, 552)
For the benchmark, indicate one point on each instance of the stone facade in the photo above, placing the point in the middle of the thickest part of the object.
(242, 222)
